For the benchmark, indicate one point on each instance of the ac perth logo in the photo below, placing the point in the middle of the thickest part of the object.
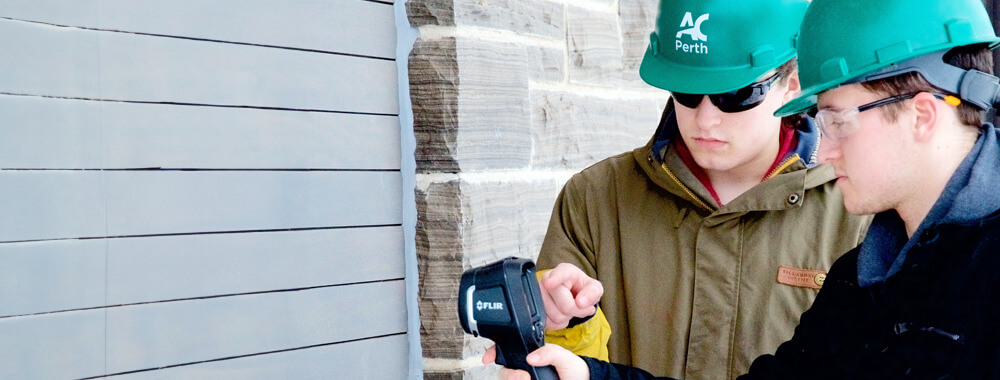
(480, 305)
(695, 27)
(694, 31)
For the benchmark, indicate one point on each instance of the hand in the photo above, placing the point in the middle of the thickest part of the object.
(567, 364)
(567, 293)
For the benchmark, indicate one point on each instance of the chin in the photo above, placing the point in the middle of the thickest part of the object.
(851, 203)
(860, 207)
(856, 210)
(714, 164)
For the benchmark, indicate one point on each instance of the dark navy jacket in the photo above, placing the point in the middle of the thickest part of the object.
(927, 307)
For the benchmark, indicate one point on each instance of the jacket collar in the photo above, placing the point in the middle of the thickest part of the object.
(792, 182)
(969, 197)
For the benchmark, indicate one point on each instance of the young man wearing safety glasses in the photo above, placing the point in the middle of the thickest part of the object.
(713, 238)
(900, 89)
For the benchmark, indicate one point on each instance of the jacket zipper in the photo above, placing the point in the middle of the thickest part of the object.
(687, 191)
(783, 165)
(903, 327)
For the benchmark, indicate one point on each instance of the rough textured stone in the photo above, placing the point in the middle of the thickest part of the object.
(483, 221)
(535, 17)
(604, 3)
(494, 109)
(440, 332)
(572, 131)
(471, 110)
(547, 64)
(461, 225)
(434, 81)
(508, 218)
(430, 12)
(457, 374)
(439, 252)
(439, 219)
(594, 47)
(483, 372)
(637, 19)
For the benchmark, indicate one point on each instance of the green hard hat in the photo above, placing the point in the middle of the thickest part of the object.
(849, 41)
(716, 46)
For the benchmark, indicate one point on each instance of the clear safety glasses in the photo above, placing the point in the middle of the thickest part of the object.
(838, 124)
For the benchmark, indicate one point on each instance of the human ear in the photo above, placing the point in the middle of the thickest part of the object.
(794, 87)
(926, 113)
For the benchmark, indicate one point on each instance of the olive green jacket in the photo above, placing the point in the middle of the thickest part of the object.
(692, 290)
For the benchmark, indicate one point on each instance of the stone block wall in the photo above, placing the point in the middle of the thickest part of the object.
(510, 98)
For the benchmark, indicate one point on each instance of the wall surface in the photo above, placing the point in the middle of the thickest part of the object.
(200, 189)
(510, 98)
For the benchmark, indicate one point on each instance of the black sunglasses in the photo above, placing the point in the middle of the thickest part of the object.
(733, 101)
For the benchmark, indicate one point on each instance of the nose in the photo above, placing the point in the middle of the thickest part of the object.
(708, 115)
(829, 150)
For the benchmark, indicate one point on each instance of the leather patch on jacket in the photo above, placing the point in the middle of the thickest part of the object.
(803, 278)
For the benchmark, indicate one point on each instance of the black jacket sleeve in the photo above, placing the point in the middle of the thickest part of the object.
(602, 370)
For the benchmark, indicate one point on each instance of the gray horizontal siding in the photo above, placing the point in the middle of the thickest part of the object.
(200, 190)
(51, 205)
(146, 336)
(180, 202)
(150, 336)
(45, 132)
(351, 360)
(59, 204)
(343, 26)
(206, 265)
(53, 346)
(87, 64)
(51, 276)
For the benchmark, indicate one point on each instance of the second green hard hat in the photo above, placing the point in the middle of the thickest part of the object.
(842, 40)
(716, 46)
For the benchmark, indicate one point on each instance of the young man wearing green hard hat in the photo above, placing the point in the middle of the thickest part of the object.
(712, 239)
(899, 89)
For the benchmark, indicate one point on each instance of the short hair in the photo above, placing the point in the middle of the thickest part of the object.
(787, 69)
(969, 57)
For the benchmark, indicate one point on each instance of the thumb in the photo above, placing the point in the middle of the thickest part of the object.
(491, 355)
(566, 363)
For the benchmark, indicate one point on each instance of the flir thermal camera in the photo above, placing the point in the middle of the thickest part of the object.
(502, 302)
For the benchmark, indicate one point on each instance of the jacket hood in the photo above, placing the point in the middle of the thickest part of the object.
(969, 197)
(973, 189)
